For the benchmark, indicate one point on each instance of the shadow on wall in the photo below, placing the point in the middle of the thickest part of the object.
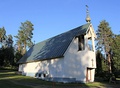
(72, 66)
(75, 67)
(56, 46)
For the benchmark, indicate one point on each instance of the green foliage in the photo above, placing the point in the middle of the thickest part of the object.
(24, 36)
(6, 50)
(104, 36)
(116, 51)
(2, 36)
(109, 44)
(104, 41)
(10, 41)
(104, 65)
(100, 63)
(99, 59)
(17, 57)
(7, 56)
(1, 58)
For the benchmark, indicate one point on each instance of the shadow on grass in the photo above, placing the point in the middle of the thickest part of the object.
(6, 75)
(9, 79)
(8, 84)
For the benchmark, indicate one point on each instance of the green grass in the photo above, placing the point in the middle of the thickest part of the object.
(9, 79)
(118, 79)
(9, 84)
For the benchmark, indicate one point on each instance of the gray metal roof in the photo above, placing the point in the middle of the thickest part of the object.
(53, 47)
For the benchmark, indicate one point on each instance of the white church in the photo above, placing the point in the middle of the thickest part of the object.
(67, 57)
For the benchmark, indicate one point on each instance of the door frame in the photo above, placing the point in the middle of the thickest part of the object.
(88, 74)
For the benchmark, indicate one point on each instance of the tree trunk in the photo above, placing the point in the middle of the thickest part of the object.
(19, 47)
(109, 62)
(24, 49)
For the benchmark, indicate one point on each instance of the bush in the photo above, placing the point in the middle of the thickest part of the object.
(104, 75)
(117, 74)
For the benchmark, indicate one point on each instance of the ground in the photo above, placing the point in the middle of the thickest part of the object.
(9, 79)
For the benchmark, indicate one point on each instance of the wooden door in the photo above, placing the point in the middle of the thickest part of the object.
(88, 75)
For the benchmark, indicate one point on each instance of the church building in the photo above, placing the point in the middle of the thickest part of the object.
(67, 57)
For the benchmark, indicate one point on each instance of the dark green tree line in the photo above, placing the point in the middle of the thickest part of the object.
(6, 49)
(108, 45)
(116, 52)
(9, 53)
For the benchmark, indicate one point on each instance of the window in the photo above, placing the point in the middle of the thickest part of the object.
(90, 45)
(44, 75)
(81, 45)
(39, 75)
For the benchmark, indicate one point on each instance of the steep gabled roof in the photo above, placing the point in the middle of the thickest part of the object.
(54, 47)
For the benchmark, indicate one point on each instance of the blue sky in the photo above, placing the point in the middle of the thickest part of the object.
(52, 17)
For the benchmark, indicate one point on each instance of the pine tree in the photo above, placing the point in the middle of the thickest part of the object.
(116, 52)
(24, 37)
(2, 36)
(104, 41)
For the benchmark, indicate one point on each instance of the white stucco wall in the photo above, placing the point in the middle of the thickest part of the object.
(54, 67)
(76, 62)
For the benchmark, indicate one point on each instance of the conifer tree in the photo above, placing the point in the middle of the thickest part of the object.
(116, 52)
(104, 41)
(24, 37)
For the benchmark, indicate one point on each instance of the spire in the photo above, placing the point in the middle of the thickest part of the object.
(87, 15)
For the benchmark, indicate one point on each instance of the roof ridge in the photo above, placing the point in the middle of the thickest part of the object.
(53, 47)
(62, 33)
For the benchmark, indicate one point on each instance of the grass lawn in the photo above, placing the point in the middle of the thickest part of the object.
(8, 79)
